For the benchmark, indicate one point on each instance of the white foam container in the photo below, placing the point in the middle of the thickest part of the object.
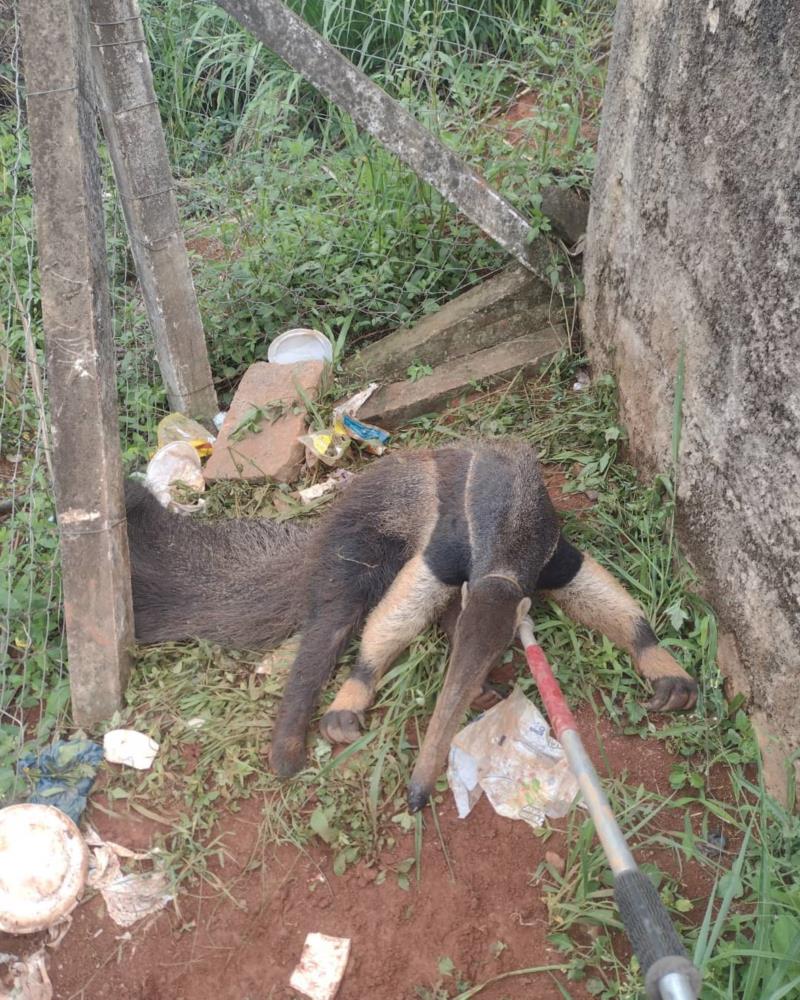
(300, 344)
(44, 861)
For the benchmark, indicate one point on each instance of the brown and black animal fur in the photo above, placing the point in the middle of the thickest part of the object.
(466, 533)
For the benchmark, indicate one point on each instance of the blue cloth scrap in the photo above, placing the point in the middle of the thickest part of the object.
(62, 775)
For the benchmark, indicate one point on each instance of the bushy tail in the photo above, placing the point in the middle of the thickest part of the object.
(239, 583)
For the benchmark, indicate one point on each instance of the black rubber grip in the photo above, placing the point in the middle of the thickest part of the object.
(646, 921)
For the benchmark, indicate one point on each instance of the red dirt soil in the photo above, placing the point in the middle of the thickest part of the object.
(218, 950)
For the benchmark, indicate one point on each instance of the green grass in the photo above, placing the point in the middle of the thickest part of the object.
(297, 219)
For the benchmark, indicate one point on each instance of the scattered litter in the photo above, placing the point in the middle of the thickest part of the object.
(337, 479)
(197, 722)
(373, 438)
(63, 774)
(351, 406)
(131, 898)
(173, 464)
(279, 660)
(300, 344)
(219, 419)
(508, 753)
(127, 746)
(321, 967)
(128, 898)
(582, 380)
(29, 978)
(328, 446)
(179, 427)
(43, 866)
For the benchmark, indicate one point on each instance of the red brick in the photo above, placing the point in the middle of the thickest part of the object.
(273, 453)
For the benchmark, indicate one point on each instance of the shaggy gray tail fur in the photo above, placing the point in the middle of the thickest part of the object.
(236, 582)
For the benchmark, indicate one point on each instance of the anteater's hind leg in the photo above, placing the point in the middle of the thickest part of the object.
(322, 643)
(590, 594)
(414, 600)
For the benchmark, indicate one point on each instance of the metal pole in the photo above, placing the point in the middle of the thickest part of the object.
(669, 974)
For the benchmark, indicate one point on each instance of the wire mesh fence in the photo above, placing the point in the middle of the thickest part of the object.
(292, 218)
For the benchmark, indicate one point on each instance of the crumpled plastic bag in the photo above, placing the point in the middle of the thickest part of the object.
(509, 754)
(176, 462)
(128, 898)
(29, 978)
(63, 775)
(129, 747)
(179, 427)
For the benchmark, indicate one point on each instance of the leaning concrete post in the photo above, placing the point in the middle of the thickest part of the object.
(387, 120)
(79, 354)
(132, 127)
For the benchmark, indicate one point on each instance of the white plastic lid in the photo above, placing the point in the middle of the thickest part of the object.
(300, 345)
(43, 865)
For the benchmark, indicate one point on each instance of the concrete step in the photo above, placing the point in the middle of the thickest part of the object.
(510, 305)
(395, 404)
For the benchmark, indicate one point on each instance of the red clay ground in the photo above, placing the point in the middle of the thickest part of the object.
(215, 950)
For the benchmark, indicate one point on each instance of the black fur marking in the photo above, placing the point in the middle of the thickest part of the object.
(363, 672)
(448, 555)
(562, 566)
(643, 637)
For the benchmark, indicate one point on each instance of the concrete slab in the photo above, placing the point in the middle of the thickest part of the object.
(399, 402)
(510, 305)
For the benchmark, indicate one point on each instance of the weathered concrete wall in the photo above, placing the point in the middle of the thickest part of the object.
(694, 239)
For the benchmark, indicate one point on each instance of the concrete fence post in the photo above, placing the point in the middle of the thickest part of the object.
(132, 127)
(79, 355)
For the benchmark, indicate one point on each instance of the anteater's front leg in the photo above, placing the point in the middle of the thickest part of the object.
(590, 594)
(414, 600)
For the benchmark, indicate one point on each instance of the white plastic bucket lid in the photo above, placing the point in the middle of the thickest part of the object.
(300, 345)
(43, 865)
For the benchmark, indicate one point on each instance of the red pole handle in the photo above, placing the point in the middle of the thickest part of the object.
(560, 716)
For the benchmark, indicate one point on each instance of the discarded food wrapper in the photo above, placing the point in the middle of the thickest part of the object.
(62, 774)
(373, 438)
(174, 463)
(337, 479)
(508, 753)
(179, 427)
(127, 746)
(128, 898)
(322, 966)
(328, 445)
(43, 865)
(29, 978)
(350, 407)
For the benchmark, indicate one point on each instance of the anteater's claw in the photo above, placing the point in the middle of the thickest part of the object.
(287, 757)
(417, 797)
(341, 726)
(673, 694)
